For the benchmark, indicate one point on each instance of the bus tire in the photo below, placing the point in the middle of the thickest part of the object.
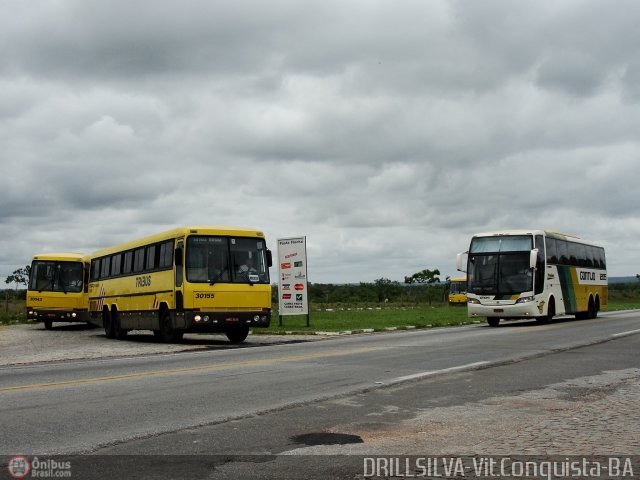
(48, 324)
(593, 308)
(108, 324)
(237, 334)
(118, 332)
(551, 312)
(493, 321)
(167, 333)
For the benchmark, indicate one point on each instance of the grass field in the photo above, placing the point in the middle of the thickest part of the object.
(381, 318)
(377, 318)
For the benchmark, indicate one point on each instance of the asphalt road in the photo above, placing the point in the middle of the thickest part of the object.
(276, 399)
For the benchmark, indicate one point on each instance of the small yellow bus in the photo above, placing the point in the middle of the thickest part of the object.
(458, 291)
(188, 279)
(58, 288)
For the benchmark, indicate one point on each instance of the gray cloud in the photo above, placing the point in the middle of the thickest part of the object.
(387, 133)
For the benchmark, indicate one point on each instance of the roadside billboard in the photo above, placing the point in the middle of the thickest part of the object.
(293, 298)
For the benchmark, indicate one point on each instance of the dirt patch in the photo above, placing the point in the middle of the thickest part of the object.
(32, 343)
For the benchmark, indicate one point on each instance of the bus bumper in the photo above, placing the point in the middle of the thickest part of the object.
(57, 315)
(202, 321)
(518, 310)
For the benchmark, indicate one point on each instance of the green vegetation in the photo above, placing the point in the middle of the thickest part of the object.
(419, 306)
(12, 306)
(624, 296)
(378, 306)
(346, 318)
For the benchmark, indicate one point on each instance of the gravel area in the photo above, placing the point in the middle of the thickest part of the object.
(32, 343)
(594, 415)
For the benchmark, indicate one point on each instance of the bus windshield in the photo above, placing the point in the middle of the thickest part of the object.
(47, 276)
(500, 265)
(214, 259)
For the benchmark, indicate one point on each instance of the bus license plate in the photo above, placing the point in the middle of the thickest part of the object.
(498, 310)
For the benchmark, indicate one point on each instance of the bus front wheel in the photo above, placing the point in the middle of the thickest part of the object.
(493, 321)
(167, 333)
(48, 324)
(551, 312)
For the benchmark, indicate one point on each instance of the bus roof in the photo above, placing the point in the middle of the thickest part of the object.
(65, 256)
(547, 233)
(463, 278)
(181, 232)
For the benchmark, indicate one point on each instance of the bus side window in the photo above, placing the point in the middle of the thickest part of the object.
(127, 265)
(601, 262)
(589, 260)
(563, 257)
(105, 263)
(552, 253)
(95, 269)
(138, 260)
(581, 254)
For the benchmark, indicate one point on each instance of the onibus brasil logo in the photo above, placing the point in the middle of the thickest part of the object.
(20, 466)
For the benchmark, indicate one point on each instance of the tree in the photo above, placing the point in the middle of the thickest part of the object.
(19, 276)
(424, 276)
(385, 289)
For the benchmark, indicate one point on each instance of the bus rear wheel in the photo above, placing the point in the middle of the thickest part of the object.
(593, 308)
(118, 332)
(107, 321)
(237, 334)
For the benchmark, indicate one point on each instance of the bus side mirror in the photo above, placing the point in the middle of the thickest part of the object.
(533, 258)
(269, 258)
(459, 263)
(178, 256)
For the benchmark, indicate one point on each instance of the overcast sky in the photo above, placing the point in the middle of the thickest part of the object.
(387, 132)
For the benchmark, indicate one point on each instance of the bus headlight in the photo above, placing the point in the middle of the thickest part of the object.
(473, 301)
(525, 300)
(197, 318)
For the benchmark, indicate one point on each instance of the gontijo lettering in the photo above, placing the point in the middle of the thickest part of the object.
(587, 276)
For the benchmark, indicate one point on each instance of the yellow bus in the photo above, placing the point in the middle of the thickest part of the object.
(58, 288)
(458, 291)
(189, 279)
(535, 274)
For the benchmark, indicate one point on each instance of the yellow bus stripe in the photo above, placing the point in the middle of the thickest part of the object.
(176, 371)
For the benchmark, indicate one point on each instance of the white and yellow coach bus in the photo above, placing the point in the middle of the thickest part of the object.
(189, 279)
(534, 274)
(57, 290)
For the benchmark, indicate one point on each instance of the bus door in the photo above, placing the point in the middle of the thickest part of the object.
(179, 274)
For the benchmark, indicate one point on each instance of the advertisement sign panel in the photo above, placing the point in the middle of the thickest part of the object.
(292, 278)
